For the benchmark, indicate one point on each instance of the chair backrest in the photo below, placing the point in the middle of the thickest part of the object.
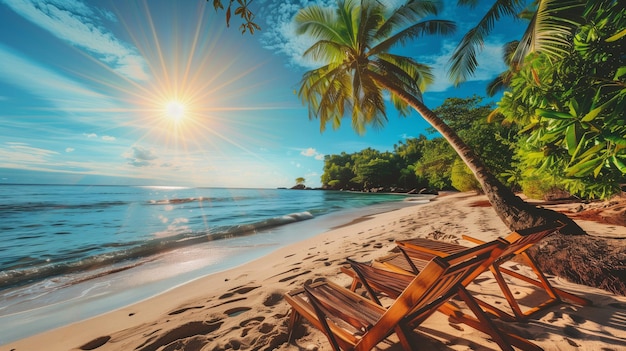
(439, 281)
(520, 240)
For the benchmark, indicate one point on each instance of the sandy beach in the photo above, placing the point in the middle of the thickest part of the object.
(243, 308)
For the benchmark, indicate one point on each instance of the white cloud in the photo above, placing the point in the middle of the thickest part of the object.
(69, 149)
(308, 152)
(81, 26)
(279, 33)
(139, 156)
(311, 152)
(91, 135)
(108, 138)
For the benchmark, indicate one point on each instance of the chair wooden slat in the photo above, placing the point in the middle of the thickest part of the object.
(518, 244)
(354, 322)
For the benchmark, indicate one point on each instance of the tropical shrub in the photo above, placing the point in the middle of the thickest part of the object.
(462, 178)
(572, 109)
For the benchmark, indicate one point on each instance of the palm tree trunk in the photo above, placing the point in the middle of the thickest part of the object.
(512, 210)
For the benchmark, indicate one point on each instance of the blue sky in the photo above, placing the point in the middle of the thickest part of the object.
(89, 91)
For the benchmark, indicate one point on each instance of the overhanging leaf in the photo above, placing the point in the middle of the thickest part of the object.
(617, 36)
(572, 137)
(584, 168)
(592, 114)
(553, 114)
(619, 164)
(591, 152)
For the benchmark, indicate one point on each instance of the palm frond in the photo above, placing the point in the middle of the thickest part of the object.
(348, 14)
(499, 84)
(463, 62)
(318, 22)
(408, 14)
(550, 29)
(371, 17)
(432, 27)
(326, 51)
(412, 74)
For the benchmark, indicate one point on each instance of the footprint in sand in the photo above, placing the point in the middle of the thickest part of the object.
(255, 320)
(179, 311)
(291, 277)
(95, 343)
(273, 299)
(238, 290)
(236, 311)
(182, 335)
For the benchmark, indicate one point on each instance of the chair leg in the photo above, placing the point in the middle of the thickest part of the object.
(486, 323)
(504, 287)
(404, 335)
(510, 339)
(294, 319)
(555, 291)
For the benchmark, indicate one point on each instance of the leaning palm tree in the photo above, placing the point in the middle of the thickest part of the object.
(354, 42)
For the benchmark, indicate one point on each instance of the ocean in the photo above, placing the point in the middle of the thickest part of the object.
(71, 252)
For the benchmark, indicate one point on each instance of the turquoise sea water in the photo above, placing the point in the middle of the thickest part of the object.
(96, 248)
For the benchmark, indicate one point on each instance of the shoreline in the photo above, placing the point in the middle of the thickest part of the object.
(242, 308)
(158, 275)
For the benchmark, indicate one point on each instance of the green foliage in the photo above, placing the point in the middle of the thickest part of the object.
(493, 142)
(462, 178)
(353, 46)
(370, 168)
(572, 110)
(418, 163)
(537, 187)
(435, 166)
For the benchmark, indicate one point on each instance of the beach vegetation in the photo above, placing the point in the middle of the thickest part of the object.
(571, 109)
(354, 43)
(435, 166)
(462, 178)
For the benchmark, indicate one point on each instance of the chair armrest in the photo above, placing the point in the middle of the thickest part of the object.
(472, 239)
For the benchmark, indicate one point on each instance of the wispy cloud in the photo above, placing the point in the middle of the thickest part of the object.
(82, 26)
(12, 153)
(60, 91)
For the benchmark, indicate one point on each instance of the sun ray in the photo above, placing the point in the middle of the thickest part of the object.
(194, 102)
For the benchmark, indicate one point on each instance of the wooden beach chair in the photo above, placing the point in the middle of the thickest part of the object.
(411, 262)
(353, 322)
(518, 244)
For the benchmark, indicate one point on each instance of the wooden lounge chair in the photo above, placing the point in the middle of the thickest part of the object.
(353, 322)
(518, 244)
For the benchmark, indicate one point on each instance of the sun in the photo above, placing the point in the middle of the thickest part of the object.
(175, 110)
